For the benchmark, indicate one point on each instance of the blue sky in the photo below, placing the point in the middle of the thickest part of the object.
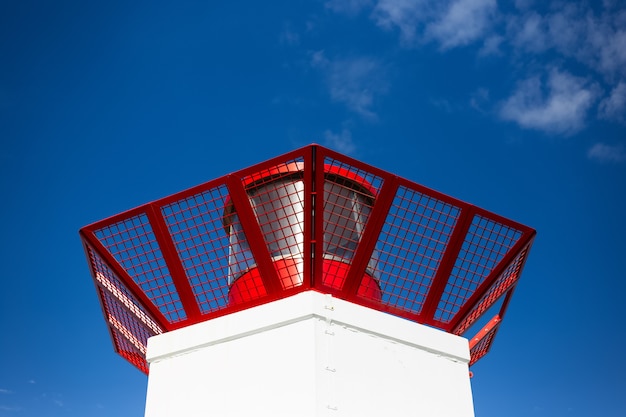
(515, 106)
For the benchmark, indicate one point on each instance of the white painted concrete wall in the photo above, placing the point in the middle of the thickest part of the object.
(308, 355)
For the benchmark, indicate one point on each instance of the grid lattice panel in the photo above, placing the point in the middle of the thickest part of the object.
(482, 347)
(411, 246)
(484, 246)
(130, 324)
(278, 203)
(130, 352)
(196, 225)
(505, 281)
(116, 288)
(348, 171)
(126, 324)
(133, 245)
(348, 201)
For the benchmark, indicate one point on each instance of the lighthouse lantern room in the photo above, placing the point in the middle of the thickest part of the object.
(310, 284)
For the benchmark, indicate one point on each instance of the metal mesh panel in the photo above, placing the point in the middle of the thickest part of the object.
(277, 199)
(411, 246)
(196, 225)
(129, 323)
(370, 184)
(504, 282)
(129, 352)
(120, 295)
(484, 246)
(349, 195)
(133, 245)
(482, 347)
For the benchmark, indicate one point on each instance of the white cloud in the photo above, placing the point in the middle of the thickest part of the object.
(355, 81)
(341, 142)
(448, 23)
(9, 408)
(566, 29)
(606, 153)
(611, 4)
(535, 33)
(598, 41)
(595, 38)
(563, 30)
(528, 32)
(491, 46)
(523, 4)
(442, 104)
(349, 7)
(560, 106)
(462, 23)
(606, 48)
(613, 107)
(479, 99)
(406, 15)
(5, 391)
(288, 36)
(532, 34)
(319, 60)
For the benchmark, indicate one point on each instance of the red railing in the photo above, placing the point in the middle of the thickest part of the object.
(310, 219)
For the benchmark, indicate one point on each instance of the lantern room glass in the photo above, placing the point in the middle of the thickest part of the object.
(279, 210)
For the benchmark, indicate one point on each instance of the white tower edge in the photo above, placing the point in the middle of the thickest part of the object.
(308, 355)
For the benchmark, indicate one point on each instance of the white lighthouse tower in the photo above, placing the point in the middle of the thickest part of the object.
(308, 285)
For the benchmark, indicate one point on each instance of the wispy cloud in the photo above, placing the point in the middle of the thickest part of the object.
(341, 142)
(523, 4)
(480, 99)
(355, 81)
(10, 408)
(463, 22)
(5, 391)
(288, 36)
(349, 7)
(558, 105)
(602, 152)
(408, 16)
(597, 40)
(528, 32)
(448, 23)
(606, 46)
(491, 46)
(557, 35)
(613, 107)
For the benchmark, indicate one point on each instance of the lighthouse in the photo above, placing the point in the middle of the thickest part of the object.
(310, 284)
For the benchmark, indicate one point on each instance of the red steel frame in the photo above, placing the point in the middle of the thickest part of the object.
(441, 262)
